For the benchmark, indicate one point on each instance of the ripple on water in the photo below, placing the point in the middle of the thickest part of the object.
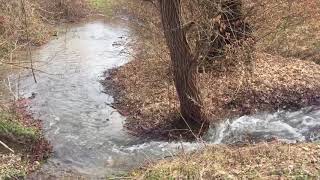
(303, 125)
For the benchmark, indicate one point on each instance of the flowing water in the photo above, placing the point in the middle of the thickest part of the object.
(87, 133)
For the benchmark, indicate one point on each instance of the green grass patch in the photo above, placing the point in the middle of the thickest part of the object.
(11, 127)
(19, 138)
(99, 4)
(107, 7)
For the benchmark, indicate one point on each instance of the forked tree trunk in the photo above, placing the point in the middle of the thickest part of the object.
(184, 63)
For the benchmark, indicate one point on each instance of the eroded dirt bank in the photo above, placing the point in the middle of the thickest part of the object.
(144, 91)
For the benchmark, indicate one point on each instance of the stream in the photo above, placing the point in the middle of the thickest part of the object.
(87, 133)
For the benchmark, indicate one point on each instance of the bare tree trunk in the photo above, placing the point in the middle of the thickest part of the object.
(184, 63)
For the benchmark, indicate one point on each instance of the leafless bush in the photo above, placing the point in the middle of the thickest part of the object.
(286, 28)
(63, 9)
(25, 22)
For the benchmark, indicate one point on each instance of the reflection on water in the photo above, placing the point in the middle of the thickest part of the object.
(87, 134)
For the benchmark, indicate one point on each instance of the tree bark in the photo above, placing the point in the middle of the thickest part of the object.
(183, 62)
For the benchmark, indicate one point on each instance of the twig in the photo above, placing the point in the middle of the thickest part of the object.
(15, 97)
(198, 139)
(6, 146)
(28, 39)
(115, 178)
(25, 67)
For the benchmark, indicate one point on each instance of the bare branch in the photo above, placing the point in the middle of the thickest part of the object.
(6, 146)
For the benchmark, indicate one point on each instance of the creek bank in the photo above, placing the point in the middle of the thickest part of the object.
(144, 92)
(32, 23)
(22, 25)
(281, 76)
(23, 135)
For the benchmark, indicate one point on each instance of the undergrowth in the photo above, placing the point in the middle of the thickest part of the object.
(104, 6)
(25, 23)
(261, 161)
(15, 129)
(274, 74)
(279, 72)
(11, 164)
(24, 146)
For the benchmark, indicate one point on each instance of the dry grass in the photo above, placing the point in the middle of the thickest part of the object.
(24, 22)
(11, 166)
(14, 33)
(261, 161)
(23, 135)
(27, 24)
(288, 28)
(277, 75)
(273, 83)
(242, 83)
(65, 10)
(148, 97)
